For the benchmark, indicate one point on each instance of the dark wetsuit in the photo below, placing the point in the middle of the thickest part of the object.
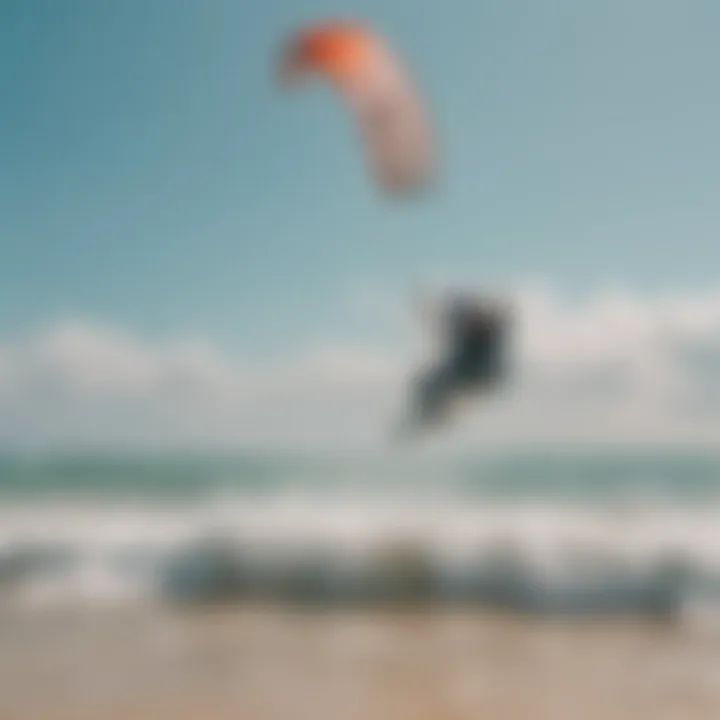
(474, 360)
(476, 344)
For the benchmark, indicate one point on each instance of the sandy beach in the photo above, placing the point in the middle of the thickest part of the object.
(263, 663)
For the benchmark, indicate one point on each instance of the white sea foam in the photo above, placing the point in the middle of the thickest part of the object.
(533, 557)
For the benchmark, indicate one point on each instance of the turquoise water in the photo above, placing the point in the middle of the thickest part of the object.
(636, 531)
(523, 476)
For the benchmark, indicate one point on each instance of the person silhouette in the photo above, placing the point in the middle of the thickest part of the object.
(474, 335)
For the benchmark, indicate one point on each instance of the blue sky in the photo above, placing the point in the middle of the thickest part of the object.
(169, 220)
(153, 177)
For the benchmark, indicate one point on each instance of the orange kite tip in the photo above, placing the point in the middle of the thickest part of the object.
(337, 48)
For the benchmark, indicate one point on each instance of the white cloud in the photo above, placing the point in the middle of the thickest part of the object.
(617, 367)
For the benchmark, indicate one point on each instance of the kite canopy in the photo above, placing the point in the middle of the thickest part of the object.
(377, 89)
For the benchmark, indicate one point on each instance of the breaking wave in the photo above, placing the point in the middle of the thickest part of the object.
(648, 560)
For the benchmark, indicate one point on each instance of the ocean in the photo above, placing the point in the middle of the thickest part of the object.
(269, 587)
(550, 533)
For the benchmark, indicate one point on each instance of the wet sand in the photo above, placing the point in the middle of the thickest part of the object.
(263, 663)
